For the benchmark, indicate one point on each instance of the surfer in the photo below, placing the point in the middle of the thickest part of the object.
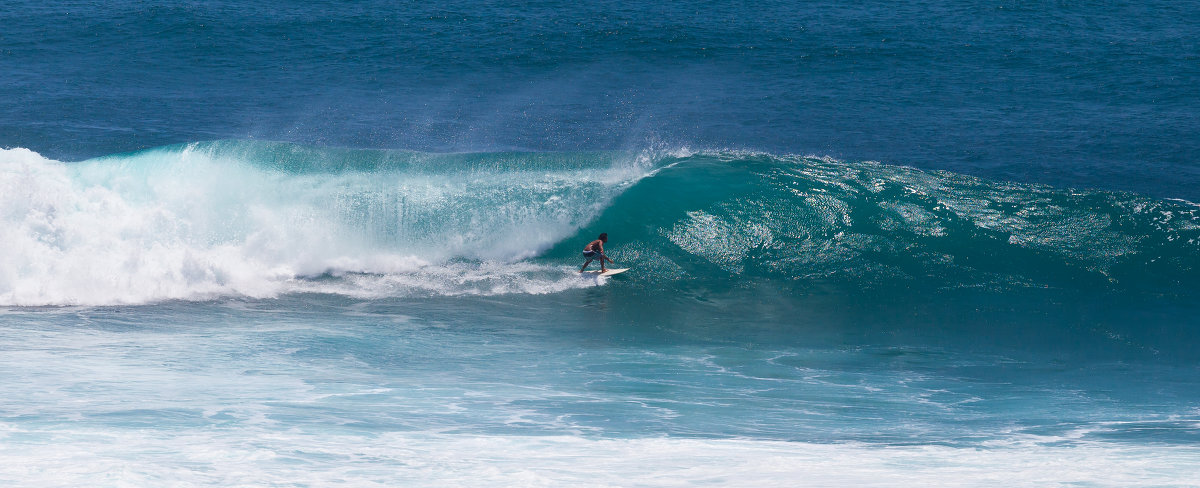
(594, 250)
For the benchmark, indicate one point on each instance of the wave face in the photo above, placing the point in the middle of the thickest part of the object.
(863, 225)
(255, 219)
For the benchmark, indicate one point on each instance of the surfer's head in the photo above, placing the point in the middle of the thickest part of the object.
(603, 237)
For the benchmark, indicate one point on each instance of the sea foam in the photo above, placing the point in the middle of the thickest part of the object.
(257, 219)
(233, 458)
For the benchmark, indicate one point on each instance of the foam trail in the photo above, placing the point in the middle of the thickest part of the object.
(231, 458)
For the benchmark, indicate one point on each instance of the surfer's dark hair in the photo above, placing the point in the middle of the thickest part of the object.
(603, 236)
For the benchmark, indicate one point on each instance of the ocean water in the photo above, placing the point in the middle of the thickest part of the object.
(879, 244)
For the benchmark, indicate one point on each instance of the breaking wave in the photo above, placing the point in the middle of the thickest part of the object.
(258, 219)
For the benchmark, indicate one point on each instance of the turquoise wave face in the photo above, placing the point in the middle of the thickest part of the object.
(232, 218)
(814, 222)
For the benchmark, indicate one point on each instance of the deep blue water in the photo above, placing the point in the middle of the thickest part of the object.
(253, 243)
(1091, 94)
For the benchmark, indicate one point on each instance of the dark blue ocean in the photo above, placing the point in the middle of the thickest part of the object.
(337, 244)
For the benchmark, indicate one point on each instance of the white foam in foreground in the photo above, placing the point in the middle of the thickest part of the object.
(234, 458)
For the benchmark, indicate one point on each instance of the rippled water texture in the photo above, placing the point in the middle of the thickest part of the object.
(331, 244)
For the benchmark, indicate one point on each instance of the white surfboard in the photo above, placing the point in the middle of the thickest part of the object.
(609, 272)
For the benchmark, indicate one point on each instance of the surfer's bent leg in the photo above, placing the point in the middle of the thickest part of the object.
(589, 256)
